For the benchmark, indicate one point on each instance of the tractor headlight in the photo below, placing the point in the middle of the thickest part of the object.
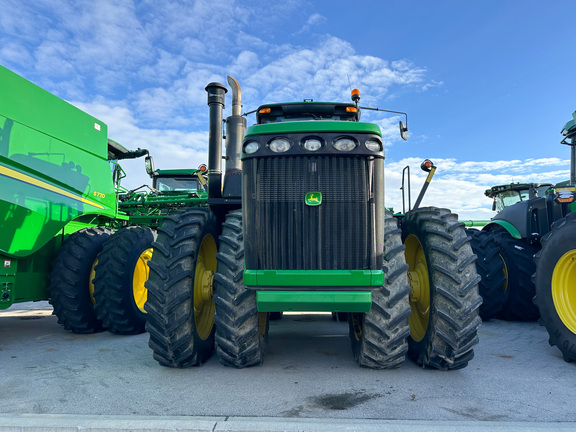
(373, 145)
(251, 147)
(345, 144)
(312, 144)
(280, 145)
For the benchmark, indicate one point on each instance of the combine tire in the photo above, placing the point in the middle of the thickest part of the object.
(380, 337)
(444, 296)
(241, 331)
(555, 285)
(493, 278)
(180, 306)
(518, 259)
(71, 290)
(121, 272)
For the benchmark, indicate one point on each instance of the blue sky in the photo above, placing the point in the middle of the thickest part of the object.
(487, 85)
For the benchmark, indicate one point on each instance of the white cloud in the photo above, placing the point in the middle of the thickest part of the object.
(170, 148)
(460, 186)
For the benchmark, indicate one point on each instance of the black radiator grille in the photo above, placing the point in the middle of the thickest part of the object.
(339, 234)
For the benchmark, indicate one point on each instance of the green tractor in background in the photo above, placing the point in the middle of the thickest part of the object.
(505, 257)
(297, 223)
(527, 256)
(122, 267)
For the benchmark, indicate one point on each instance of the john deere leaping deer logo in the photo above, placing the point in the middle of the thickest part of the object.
(313, 198)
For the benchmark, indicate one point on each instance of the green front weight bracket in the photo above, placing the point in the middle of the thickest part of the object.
(314, 301)
(314, 278)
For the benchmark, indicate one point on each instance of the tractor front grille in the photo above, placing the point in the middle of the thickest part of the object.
(282, 232)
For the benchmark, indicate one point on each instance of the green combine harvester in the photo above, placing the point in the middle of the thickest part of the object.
(58, 200)
(527, 254)
(296, 222)
(70, 233)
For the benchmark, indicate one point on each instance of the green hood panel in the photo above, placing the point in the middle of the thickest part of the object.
(313, 126)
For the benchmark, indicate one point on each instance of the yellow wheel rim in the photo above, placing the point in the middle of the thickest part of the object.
(203, 287)
(90, 283)
(563, 292)
(141, 273)
(420, 288)
(505, 271)
(262, 323)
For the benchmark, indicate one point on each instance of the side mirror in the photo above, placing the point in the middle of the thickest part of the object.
(149, 164)
(403, 131)
(494, 204)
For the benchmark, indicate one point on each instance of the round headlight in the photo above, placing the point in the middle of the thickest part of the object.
(312, 144)
(251, 147)
(345, 144)
(280, 145)
(373, 145)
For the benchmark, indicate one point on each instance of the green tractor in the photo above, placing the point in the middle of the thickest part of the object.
(297, 223)
(527, 255)
(58, 201)
(122, 266)
(506, 256)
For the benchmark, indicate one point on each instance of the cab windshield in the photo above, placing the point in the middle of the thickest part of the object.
(305, 117)
(508, 198)
(177, 184)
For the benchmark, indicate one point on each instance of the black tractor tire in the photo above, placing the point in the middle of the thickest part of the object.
(518, 257)
(180, 306)
(444, 294)
(121, 272)
(490, 266)
(241, 331)
(380, 337)
(70, 287)
(340, 316)
(555, 281)
(275, 316)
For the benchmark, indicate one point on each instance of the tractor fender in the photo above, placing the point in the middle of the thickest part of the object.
(501, 223)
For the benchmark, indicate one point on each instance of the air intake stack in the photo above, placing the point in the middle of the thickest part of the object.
(235, 128)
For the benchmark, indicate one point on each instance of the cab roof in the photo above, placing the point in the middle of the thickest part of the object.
(307, 110)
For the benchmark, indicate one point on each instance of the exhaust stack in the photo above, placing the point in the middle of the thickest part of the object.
(235, 128)
(216, 95)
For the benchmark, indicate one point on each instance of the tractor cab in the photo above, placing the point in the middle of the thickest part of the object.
(177, 180)
(507, 195)
(167, 181)
(307, 110)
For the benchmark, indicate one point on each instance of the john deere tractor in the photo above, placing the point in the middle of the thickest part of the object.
(527, 255)
(506, 263)
(298, 223)
(122, 267)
